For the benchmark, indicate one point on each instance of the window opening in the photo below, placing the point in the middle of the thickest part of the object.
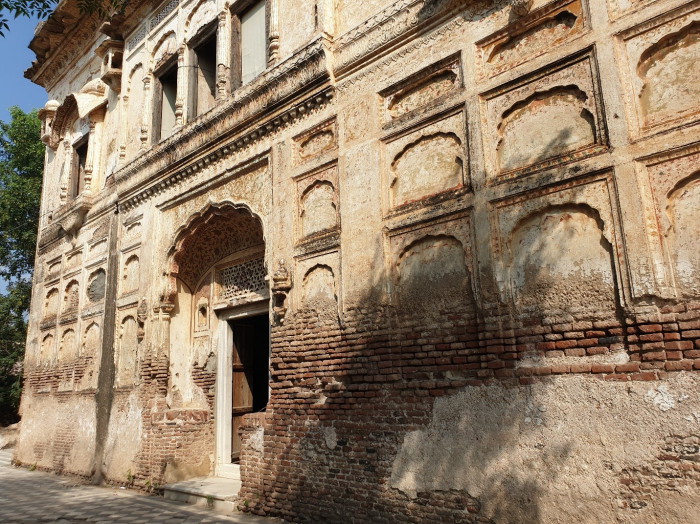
(117, 58)
(204, 81)
(80, 152)
(165, 104)
(253, 42)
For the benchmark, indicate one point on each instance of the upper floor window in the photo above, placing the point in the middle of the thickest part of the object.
(250, 43)
(165, 95)
(77, 179)
(247, 60)
(203, 76)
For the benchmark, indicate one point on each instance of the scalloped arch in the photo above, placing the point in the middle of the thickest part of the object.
(200, 10)
(170, 35)
(210, 235)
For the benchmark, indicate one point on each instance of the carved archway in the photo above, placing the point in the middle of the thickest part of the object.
(212, 235)
(218, 309)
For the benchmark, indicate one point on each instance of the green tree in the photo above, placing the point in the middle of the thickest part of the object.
(42, 9)
(27, 8)
(21, 167)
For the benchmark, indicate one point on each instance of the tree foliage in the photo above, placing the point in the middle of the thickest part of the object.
(21, 167)
(27, 8)
(42, 9)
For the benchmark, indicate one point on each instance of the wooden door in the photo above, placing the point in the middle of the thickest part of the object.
(242, 395)
(250, 373)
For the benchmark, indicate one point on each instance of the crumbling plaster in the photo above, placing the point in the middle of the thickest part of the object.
(544, 452)
(462, 206)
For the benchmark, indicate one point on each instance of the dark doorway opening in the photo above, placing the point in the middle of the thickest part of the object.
(251, 372)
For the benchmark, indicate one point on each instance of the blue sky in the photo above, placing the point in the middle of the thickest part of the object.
(15, 57)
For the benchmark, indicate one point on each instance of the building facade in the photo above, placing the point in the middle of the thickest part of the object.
(388, 261)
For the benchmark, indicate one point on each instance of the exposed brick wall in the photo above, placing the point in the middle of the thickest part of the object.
(44, 379)
(170, 436)
(375, 377)
(253, 467)
(676, 468)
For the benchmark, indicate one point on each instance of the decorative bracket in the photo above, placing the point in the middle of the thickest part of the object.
(281, 285)
(141, 317)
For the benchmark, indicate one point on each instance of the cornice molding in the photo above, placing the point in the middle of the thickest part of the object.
(389, 28)
(132, 199)
(67, 34)
(60, 54)
(366, 73)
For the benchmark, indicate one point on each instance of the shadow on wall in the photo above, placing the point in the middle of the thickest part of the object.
(397, 416)
(581, 284)
(545, 125)
(389, 411)
(477, 445)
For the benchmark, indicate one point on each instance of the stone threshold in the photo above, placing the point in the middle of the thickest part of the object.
(215, 493)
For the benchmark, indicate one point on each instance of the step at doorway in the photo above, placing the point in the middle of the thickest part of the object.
(216, 493)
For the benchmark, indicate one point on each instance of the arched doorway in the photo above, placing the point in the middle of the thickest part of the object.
(218, 271)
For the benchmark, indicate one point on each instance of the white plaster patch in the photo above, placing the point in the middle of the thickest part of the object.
(693, 417)
(528, 454)
(330, 437)
(662, 398)
(257, 440)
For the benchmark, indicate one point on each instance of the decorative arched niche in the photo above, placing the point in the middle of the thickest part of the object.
(432, 276)
(683, 215)
(319, 289)
(91, 339)
(126, 358)
(561, 263)
(429, 165)
(319, 208)
(67, 349)
(89, 352)
(67, 352)
(51, 303)
(71, 297)
(46, 351)
(544, 34)
(544, 125)
(130, 274)
(670, 76)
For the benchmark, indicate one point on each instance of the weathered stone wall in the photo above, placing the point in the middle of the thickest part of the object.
(477, 221)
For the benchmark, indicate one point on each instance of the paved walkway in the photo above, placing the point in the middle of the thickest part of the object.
(31, 497)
